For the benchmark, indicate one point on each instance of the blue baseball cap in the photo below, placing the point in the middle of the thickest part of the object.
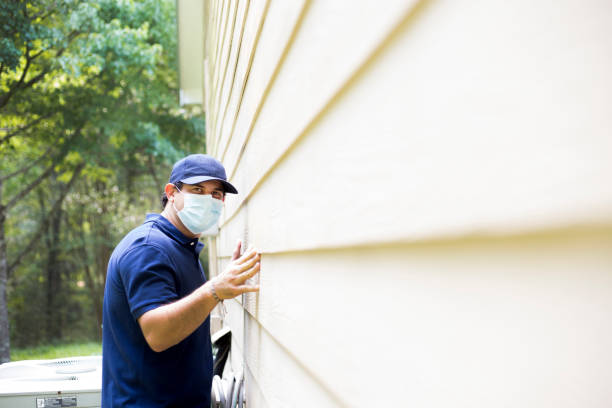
(197, 168)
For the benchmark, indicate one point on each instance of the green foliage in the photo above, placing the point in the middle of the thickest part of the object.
(91, 126)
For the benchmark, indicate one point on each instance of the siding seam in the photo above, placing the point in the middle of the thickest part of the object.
(557, 233)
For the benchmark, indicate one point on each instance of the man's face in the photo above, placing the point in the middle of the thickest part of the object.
(211, 187)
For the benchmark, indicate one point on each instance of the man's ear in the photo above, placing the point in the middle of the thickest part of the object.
(170, 190)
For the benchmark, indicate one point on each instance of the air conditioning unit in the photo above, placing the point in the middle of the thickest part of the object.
(63, 382)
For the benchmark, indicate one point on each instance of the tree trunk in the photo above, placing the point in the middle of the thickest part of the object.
(54, 279)
(96, 290)
(5, 343)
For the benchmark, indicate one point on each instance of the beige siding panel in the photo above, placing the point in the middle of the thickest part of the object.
(237, 229)
(271, 371)
(280, 379)
(217, 34)
(454, 143)
(282, 18)
(213, 57)
(207, 92)
(227, 80)
(255, 19)
(524, 321)
(214, 32)
(428, 184)
(320, 60)
(226, 43)
(253, 391)
(219, 30)
(235, 320)
(209, 25)
(207, 102)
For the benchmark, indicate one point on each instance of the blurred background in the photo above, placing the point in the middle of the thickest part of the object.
(89, 128)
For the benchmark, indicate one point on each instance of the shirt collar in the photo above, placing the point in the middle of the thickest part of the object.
(169, 229)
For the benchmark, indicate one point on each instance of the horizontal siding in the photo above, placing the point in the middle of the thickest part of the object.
(217, 7)
(273, 41)
(253, 24)
(216, 32)
(321, 59)
(427, 182)
(219, 33)
(271, 371)
(497, 160)
(523, 321)
(229, 76)
(224, 52)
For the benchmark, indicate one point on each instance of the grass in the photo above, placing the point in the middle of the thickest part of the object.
(57, 351)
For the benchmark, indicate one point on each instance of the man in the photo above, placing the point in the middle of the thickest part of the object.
(156, 345)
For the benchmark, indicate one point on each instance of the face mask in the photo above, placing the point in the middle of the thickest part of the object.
(200, 212)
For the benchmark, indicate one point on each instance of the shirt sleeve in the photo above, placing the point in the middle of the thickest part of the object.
(148, 278)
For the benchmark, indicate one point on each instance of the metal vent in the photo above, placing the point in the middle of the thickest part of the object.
(61, 363)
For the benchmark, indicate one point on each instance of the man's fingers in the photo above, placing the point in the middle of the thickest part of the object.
(247, 260)
(249, 253)
(250, 289)
(249, 264)
(248, 274)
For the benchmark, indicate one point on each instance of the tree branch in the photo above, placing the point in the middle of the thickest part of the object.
(4, 99)
(7, 96)
(43, 14)
(45, 174)
(26, 127)
(28, 166)
(27, 66)
(45, 221)
(35, 79)
(153, 173)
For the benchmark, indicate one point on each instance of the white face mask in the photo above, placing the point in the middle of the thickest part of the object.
(200, 212)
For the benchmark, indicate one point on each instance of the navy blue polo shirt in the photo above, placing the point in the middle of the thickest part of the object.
(153, 265)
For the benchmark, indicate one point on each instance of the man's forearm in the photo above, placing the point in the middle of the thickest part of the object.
(167, 325)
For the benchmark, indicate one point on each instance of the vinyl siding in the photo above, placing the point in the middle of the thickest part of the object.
(429, 185)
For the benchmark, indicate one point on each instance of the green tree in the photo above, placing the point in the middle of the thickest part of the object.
(87, 103)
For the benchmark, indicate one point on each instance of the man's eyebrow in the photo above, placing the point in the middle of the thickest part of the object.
(213, 189)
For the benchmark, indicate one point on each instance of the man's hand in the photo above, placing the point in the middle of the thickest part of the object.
(232, 282)
(169, 324)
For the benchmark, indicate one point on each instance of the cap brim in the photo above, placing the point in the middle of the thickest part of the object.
(198, 179)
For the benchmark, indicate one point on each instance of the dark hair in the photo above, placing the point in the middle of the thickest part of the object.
(164, 198)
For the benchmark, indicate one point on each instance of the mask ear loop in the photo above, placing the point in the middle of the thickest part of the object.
(179, 190)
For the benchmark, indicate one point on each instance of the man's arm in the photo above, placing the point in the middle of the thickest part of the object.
(167, 325)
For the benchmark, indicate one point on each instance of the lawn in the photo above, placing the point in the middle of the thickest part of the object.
(57, 351)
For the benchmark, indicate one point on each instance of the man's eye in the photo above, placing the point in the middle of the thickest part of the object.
(197, 190)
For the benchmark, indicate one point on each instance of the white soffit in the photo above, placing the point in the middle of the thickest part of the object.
(190, 22)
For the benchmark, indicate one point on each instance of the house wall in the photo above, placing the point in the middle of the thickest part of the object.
(429, 185)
